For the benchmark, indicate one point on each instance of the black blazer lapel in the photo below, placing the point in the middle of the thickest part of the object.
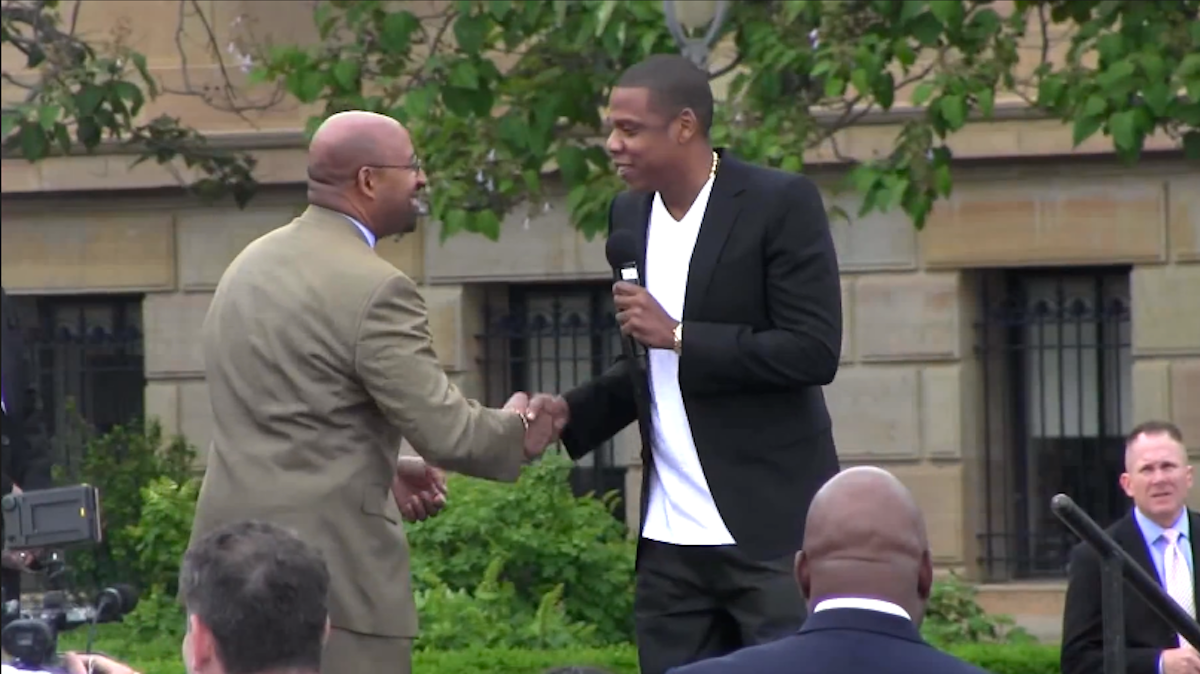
(1129, 535)
(724, 206)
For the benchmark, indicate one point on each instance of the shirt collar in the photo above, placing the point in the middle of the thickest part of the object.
(1152, 531)
(367, 234)
(862, 603)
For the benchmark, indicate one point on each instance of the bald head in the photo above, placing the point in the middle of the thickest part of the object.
(865, 537)
(350, 140)
(363, 164)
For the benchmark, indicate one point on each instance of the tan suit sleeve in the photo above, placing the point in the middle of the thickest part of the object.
(395, 360)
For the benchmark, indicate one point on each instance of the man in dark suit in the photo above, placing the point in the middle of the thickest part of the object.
(26, 464)
(867, 568)
(741, 318)
(1159, 533)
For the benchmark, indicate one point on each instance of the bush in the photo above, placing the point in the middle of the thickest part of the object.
(121, 464)
(954, 616)
(161, 656)
(148, 492)
(542, 546)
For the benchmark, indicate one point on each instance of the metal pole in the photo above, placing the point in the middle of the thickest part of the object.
(1112, 598)
(696, 50)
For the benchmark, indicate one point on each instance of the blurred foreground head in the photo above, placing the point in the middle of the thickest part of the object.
(865, 538)
(257, 601)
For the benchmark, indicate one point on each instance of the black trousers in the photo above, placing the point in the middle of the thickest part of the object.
(11, 587)
(698, 602)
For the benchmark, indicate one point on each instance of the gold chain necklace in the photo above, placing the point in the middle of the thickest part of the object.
(712, 173)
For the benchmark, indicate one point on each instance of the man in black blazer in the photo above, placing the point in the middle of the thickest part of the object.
(26, 464)
(1157, 478)
(867, 568)
(741, 319)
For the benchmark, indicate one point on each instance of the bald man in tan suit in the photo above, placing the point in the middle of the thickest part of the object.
(318, 361)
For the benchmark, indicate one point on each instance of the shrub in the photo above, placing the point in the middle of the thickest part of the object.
(161, 656)
(954, 616)
(120, 464)
(542, 542)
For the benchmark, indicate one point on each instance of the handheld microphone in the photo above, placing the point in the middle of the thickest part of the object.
(621, 249)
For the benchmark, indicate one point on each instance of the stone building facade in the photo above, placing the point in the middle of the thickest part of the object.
(991, 360)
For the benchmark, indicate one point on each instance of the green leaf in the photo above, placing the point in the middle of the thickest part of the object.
(861, 81)
(1124, 129)
(470, 32)
(1158, 98)
(572, 163)
(835, 87)
(1191, 145)
(33, 142)
(987, 102)
(1095, 106)
(927, 29)
(942, 181)
(922, 93)
(792, 163)
(418, 102)
(1085, 127)
(48, 116)
(7, 123)
(131, 94)
(396, 33)
(345, 73)
(954, 111)
(306, 85)
(88, 99)
(949, 12)
(487, 224)
(464, 75)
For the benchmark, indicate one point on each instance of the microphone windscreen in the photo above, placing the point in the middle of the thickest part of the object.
(621, 248)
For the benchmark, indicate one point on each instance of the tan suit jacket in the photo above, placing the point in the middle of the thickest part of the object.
(319, 360)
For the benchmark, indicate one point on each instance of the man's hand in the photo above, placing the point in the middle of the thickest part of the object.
(94, 664)
(642, 317)
(539, 431)
(1181, 661)
(419, 489)
(554, 406)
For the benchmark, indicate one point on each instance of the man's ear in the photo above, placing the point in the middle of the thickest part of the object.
(803, 574)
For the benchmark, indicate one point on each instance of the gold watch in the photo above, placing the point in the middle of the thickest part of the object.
(679, 338)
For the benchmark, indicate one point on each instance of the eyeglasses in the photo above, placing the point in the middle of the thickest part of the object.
(415, 165)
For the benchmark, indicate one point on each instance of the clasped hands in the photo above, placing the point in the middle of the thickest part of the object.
(420, 489)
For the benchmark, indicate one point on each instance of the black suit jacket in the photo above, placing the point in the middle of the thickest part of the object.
(762, 333)
(25, 461)
(1147, 635)
(840, 640)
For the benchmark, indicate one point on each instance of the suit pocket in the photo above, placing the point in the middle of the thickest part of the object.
(378, 501)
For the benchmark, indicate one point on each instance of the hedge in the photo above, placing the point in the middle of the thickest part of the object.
(163, 658)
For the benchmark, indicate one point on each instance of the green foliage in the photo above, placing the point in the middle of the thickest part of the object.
(161, 656)
(148, 499)
(516, 550)
(500, 94)
(79, 97)
(135, 469)
(954, 616)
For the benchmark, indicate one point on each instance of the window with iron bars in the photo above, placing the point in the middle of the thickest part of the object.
(553, 338)
(1056, 365)
(87, 362)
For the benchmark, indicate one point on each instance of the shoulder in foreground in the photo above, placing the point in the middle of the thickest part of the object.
(776, 656)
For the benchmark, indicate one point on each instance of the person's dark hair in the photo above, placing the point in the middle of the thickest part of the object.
(264, 594)
(1155, 427)
(675, 84)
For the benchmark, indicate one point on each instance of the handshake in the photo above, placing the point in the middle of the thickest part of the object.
(545, 417)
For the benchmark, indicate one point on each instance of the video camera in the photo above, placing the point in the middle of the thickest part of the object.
(61, 517)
